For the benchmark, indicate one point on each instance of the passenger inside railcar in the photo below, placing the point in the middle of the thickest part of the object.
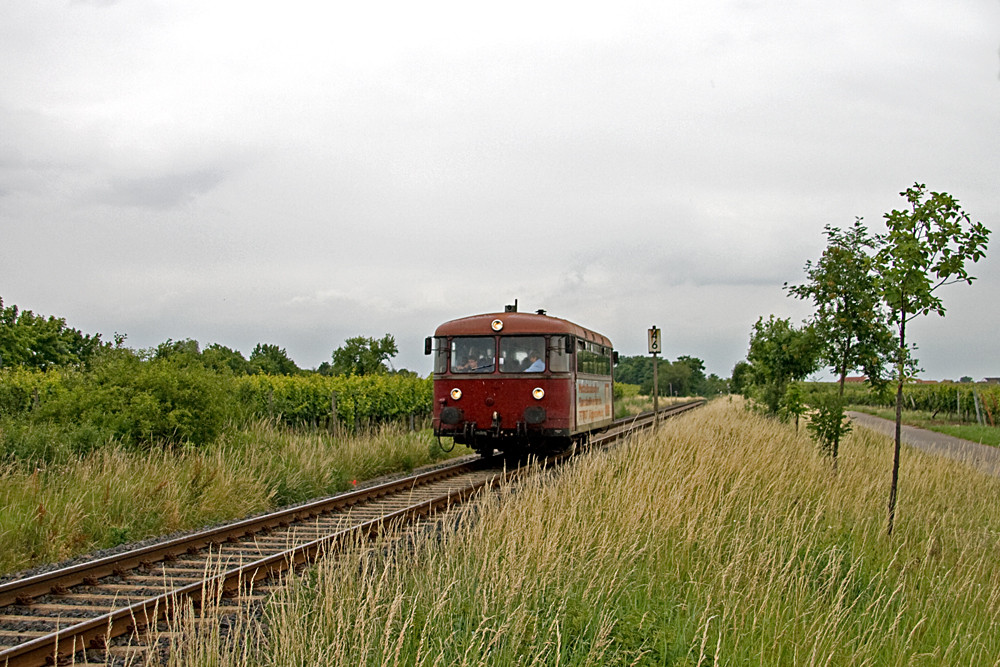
(470, 365)
(535, 363)
(472, 355)
(518, 354)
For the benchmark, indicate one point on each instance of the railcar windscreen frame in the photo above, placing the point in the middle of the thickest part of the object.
(478, 354)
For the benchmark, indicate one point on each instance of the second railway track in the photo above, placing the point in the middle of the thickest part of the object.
(50, 617)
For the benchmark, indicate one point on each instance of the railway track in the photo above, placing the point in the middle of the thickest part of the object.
(50, 618)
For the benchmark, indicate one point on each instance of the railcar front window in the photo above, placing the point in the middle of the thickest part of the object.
(473, 354)
(522, 354)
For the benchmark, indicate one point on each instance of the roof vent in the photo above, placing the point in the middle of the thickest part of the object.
(511, 307)
(540, 311)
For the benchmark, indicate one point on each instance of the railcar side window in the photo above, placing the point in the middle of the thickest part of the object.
(522, 354)
(560, 354)
(473, 354)
(592, 358)
(440, 355)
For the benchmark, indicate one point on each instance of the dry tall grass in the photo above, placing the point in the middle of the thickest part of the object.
(723, 539)
(113, 495)
(633, 405)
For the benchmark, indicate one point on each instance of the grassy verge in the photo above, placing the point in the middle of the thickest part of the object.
(723, 539)
(113, 496)
(986, 435)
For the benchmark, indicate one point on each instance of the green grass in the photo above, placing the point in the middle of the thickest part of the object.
(724, 538)
(116, 495)
(987, 435)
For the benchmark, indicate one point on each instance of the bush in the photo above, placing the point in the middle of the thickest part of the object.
(827, 423)
(144, 400)
(625, 390)
(121, 397)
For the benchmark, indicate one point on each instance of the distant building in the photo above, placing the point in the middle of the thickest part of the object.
(856, 379)
(991, 380)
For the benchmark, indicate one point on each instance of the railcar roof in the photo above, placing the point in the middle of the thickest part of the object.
(517, 323)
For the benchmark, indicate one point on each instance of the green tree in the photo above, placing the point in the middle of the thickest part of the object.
(34, 341)
(219, 357)
(675, 378)
(740, 380)
(779, 353)
(696, 376)
(683, 377)
(635, 370)
(714, 385)
(178, 349)
(793, 403)
(849, 321)
(926, 246)
(272, 360)
(364, 356)
(827, 423)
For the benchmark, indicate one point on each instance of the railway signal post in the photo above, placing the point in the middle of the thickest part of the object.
(654, 349)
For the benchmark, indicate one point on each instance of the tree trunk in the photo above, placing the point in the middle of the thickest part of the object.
(843, 378)
(836, 443)
(900, 368)
(843, 367)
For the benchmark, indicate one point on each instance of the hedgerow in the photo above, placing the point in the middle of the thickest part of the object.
(121, 397)
(143, 402)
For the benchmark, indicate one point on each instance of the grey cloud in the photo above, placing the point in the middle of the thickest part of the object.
(670, 165)
(163, 191)
(97, 3)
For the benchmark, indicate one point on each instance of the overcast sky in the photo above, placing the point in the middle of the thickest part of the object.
(298, 173)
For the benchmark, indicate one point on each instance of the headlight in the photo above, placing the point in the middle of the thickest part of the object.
(538, 393)
(456, 394)
(497, 325)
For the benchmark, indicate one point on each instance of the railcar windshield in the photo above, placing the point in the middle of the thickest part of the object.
(473, 354)
(522, 354)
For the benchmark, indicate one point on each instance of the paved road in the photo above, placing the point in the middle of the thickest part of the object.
(983, 457)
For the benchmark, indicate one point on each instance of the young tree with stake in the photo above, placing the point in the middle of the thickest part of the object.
(925, 247)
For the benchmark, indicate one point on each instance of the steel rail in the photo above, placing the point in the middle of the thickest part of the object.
(57, 581)
(93, 632)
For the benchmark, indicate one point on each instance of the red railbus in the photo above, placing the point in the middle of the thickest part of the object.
(520, 381)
